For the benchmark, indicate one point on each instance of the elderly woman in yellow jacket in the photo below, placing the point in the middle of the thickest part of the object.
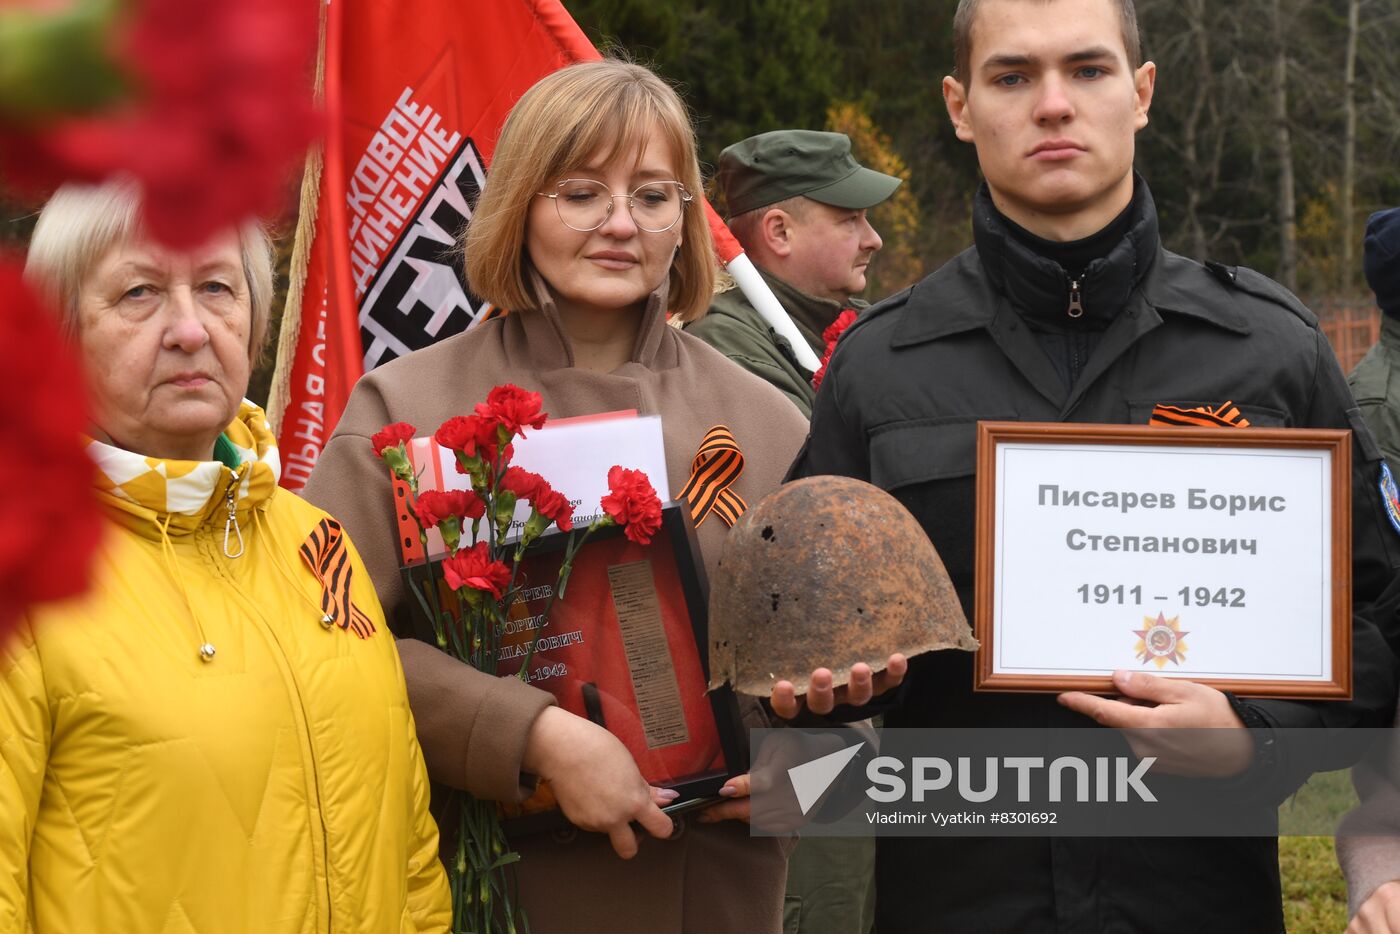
(216, 737)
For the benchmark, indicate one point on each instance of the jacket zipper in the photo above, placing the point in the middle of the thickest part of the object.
(281, 654)
(231, 523)
(1076, 304)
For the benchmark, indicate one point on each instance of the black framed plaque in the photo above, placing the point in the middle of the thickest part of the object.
(624, 647)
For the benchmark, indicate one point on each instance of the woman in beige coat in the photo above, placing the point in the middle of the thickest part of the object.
(590, 229)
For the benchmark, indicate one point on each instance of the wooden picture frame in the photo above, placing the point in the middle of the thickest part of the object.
(1024, 521)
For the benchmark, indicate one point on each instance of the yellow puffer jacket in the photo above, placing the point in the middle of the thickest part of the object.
(276, 786)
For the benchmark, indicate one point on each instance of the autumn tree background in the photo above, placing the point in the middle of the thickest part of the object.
(1275, 129)
(1274, 133)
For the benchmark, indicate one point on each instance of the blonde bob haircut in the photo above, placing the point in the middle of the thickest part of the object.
(80, 223)
(591, 111)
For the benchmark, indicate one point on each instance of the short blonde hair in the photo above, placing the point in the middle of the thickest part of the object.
(583, 111)
(80, 223)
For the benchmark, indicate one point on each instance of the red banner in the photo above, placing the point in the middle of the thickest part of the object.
(415, 95)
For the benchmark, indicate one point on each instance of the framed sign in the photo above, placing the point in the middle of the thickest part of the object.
(623, 649)
(1220, 555)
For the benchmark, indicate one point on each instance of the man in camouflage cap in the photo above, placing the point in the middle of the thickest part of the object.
(797, 202)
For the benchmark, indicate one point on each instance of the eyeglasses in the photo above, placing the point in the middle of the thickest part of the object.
(585, 205)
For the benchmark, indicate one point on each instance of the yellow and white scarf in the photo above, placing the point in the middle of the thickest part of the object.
(190, 491)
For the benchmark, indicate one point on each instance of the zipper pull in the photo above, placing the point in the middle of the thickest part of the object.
(1076, 305)
(231, 524)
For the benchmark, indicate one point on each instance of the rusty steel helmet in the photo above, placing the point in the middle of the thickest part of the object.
(827, 572)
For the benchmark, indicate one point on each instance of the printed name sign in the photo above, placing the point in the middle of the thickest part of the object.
(1219, 555)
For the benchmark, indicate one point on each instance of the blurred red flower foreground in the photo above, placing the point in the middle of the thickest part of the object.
(48, 516)
(221, 112)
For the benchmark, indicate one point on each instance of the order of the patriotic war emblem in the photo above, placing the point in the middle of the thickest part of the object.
(1161, 641)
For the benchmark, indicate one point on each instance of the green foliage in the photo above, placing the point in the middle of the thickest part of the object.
(1319, 240)
(897, 218)
(895, 55)
(736, 85)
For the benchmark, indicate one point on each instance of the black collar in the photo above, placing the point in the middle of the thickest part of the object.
(1040, 288)
(973, 289)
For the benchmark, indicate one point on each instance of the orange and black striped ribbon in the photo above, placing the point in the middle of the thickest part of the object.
(1225, 415)
(717, 465)
(325, 554)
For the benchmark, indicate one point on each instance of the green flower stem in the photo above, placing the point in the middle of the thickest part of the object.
(458, 874)
(484, 895)
(436, 614)
(434, 608)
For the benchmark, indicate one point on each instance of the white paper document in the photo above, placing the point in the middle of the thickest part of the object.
(574, 455)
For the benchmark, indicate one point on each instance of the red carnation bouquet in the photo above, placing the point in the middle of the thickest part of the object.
(482, 569)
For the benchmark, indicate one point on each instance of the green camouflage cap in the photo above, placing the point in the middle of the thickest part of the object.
(781, 164)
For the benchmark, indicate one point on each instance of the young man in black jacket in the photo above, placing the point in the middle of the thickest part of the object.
(1067, 309)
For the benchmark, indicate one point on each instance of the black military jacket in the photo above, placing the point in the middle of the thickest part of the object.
(899, 408)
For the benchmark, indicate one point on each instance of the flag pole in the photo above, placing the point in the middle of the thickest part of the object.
(760, 296)
(290, 327)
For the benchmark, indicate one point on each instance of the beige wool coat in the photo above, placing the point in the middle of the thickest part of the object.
(472, 727)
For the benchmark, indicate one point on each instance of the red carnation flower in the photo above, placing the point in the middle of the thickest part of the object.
(458, 433)
(633, 504)
(471, 436)
(838, 327)
(523, 483)
(433, 506)
(46, 541)
(831, 335)
(554, 506)
(513, 409)
(392, 435)
(473, 568)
